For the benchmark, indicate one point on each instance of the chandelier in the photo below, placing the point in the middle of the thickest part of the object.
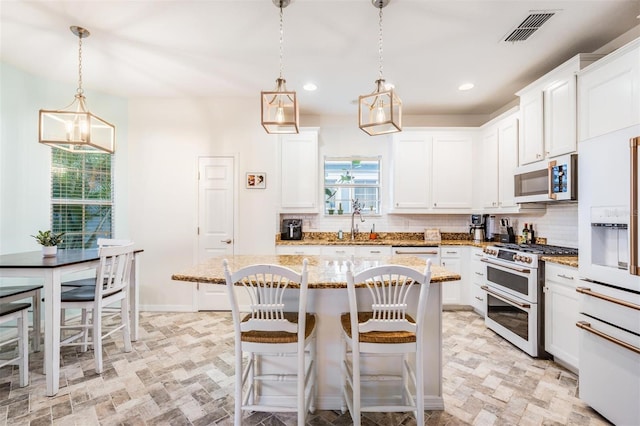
(381, 111)
(74, 128)
(280, 106)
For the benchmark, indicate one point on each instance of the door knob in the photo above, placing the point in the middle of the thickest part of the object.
(228, 241)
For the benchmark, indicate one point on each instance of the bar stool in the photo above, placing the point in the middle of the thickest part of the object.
(269, 332)
(378, 325)
(17, 312)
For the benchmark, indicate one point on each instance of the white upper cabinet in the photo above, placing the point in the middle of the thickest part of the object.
(498, 153)
(299, 172)
(452, 171)
(432, 171)
(411, 162)
(609, 93)
(548, 112)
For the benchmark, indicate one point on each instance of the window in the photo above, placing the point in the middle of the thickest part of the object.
(81, 197)
(348, 179)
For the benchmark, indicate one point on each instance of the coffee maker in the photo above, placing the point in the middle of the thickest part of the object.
(477, 228)
(291, 229)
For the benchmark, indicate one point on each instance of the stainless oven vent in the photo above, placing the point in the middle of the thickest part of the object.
(530, 25)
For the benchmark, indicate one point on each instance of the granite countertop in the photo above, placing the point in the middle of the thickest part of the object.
(324, 271)
(562, 260)
(396, 239)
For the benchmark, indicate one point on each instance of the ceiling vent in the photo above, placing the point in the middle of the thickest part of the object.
(530, 25)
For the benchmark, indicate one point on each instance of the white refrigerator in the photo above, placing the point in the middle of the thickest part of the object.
(609, 299)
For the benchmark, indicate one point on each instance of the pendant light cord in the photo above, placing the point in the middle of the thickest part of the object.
(380, 43)
(281, 39)
(80, 91)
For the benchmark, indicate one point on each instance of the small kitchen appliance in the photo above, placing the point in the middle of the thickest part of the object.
(291, 229)
(490, 227)
(477, 229)
(547, 181)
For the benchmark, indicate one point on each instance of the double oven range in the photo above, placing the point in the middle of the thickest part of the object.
(515, 303)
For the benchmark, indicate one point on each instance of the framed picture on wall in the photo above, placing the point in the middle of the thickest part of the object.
(256, 180)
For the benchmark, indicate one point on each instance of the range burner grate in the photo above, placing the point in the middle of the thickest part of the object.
(544, 249)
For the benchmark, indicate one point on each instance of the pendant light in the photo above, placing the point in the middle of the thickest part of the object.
(73, 128)
(381, 111)
(280, 106)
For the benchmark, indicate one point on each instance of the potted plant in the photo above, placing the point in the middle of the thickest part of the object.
(49, 242)
(330, 195)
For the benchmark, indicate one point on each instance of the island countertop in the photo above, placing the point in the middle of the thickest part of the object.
(324, 271)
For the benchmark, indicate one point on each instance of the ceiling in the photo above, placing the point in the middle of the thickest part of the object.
(216, 48)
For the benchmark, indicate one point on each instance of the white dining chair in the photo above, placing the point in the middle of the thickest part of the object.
(378, 325)
(271, 329)
(18, 312)
(15, 293)
(91, 281)
(113, 275)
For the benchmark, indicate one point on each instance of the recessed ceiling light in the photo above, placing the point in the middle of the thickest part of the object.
(310, 87)
(466, 86)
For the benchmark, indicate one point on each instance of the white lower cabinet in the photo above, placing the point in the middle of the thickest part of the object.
(561, 314)
(453, 259)
(478, 279)
(373, 250)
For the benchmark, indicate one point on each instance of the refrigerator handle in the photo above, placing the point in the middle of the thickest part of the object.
(633, 220)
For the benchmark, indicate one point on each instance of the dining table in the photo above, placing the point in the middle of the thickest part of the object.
(50, 270)
(327, 298)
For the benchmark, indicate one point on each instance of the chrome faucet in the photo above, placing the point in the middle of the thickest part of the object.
(356, 207)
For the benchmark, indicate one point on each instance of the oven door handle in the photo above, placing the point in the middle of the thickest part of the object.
(416, 252)
(513, 268)
(589, 292)
(505, 299)
(587, 327)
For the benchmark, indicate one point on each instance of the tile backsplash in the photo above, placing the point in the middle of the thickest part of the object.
(558, 224)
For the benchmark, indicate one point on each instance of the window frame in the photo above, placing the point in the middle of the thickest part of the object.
(372, 204)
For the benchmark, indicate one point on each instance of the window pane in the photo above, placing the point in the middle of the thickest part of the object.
(348, 179)
(82, 195)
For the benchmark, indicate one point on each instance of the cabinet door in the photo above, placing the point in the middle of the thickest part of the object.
(452, 171)
(451, 259)
(561, 314)
(531, 135)
(560, 117)
(609, 93)
(411, 171)
(490, 169)
(299, 172)
(507, 161)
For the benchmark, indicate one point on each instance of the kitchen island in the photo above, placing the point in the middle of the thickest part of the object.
(328, 299)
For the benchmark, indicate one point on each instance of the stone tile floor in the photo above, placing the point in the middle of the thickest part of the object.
(180, 373)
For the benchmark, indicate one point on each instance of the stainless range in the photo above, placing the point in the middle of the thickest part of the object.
(514, 282)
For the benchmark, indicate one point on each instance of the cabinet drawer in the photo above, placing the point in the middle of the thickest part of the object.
(373, 250)
(298, 250)
(447, 251)
(561, 274)
(338, 251)
(478, 271)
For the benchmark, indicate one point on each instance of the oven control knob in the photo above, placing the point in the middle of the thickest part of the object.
(517, 257)
(528, 259)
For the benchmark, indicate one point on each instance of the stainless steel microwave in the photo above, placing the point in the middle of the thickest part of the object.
(547, 181)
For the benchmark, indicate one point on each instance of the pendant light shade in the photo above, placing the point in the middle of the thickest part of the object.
(74, 128)
(279, 107)
(380, 112)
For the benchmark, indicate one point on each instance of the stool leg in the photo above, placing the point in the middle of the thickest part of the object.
(37, 321)
(23, 348)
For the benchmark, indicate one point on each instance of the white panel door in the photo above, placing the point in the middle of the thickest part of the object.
(216, 185)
